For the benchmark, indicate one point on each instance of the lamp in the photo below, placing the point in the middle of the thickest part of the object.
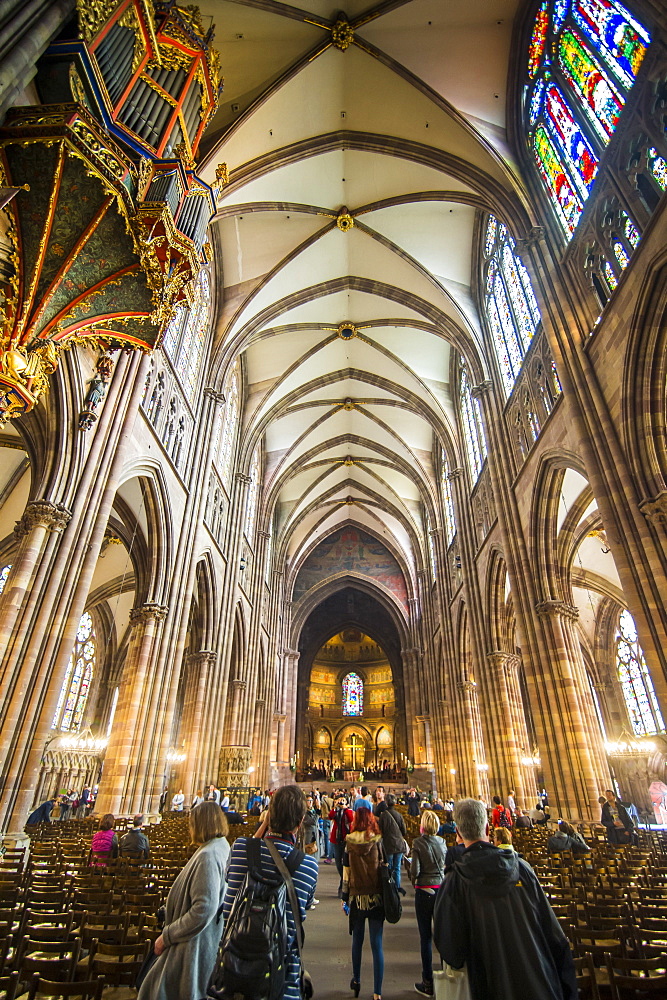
(628, 746)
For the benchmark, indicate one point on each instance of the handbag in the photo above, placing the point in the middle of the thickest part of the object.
(306, 983)
(451, 984)
(391, 900)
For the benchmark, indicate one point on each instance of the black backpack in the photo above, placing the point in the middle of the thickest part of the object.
(251, 959)
(504, 820)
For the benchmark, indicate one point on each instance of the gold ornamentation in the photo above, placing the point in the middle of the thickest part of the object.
(93, 15)
(24, 376)
(347, 331)
(342, 34)
(182, 151)
(174, 58)
(158, 89)
(344, 221)
(145, 176)
(221, 175)
(130, 19)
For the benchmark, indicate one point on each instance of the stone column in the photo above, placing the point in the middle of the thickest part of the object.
(512, 743)
(569, 760)
(127, 752)
(201, 665)
(475, 782)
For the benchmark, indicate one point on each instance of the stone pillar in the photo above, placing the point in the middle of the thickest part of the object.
(475, 781)
(512, 743)
(569, 758)
(238, 687)
(200, 665)
(127, 752)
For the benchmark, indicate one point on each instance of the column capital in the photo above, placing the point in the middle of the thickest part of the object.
(502, 661)
(279, 717)
(557, 609)
(435, 531)
(454, 474)
(148, 612)
(534, 236)
(241, 477)
(263, 534)
(211, 393)
(466, 686)
(260, 702)
(654, 508)
(286, 651)
(484, 387)
(44, 514)
(239, 684)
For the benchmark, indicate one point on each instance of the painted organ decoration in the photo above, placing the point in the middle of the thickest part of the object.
(109, 227)
(351, 705)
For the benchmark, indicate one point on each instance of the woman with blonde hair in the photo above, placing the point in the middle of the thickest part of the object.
(188, 945)
(427, 873)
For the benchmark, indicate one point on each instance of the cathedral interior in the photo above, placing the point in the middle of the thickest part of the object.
(333, 389)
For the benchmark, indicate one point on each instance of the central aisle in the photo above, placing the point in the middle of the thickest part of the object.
(328, 948)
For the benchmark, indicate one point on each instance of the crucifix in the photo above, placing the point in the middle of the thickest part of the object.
(355, 744)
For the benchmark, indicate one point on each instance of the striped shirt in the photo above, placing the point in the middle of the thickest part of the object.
(305, 880)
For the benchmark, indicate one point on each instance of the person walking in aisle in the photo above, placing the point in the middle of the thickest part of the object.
(188, 945)
(392, 828)
(178, 801)
(341, 823)
(362, 895)
(427, 873)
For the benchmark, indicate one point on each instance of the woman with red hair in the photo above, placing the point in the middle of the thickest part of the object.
(362, 895)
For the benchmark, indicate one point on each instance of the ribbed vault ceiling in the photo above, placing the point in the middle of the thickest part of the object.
(405, 132)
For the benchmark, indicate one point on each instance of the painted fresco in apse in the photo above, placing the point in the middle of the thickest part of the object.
(353, 551)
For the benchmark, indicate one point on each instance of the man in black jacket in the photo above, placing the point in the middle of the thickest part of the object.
(492, 916)
(392, 828)
(135, 842)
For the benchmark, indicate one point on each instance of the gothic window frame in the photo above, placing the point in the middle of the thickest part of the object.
(252, 496)
(227, 445)
(634, 677)
(579, 70)
(471, 423)
(186, 336)
(346, 708)
(510, 307)
(78, 678)
(447, 501)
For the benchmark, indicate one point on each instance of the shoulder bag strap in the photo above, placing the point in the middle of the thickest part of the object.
(291, 892)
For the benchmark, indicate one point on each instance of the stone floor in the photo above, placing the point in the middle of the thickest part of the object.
(328, 947)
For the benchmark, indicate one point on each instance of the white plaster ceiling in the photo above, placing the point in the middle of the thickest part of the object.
(405, 130)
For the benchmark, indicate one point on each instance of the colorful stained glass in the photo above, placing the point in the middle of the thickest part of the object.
(599, 98)
(574, 147)
(508, 325)
(621, 254)
(631, 233)
(4, 573)
(353, 694)
(566, 201)
(450, 520)
(636, 682)
(618, 38)
(610, 277)
(535, 104)
(524, 317)
(491, 228)
(508, 371)
(560, 9)
(472, 423)
(538, 40)
(658, 167)
(78, 678)
(231, 421)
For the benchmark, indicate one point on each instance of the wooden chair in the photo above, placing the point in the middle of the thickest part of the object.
(585, 970)
(91, 989)
(9, 986)
(120, 964)
(634, 979)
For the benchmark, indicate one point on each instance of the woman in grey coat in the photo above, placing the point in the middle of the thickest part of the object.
(427, 873)
(188, 945)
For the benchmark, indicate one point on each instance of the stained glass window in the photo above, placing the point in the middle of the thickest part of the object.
(78, 678)
(185, 336)
(511, 307)
(621, 254)
(610, 277)
(631, 233)
(450, 520)
(353, 694)
(635, 679)
(251, 500)
(658, 167)
(583, 58)
(231, 419)
(471, 418)
(4, 573)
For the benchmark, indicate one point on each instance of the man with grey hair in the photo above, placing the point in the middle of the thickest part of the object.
(492, 917)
